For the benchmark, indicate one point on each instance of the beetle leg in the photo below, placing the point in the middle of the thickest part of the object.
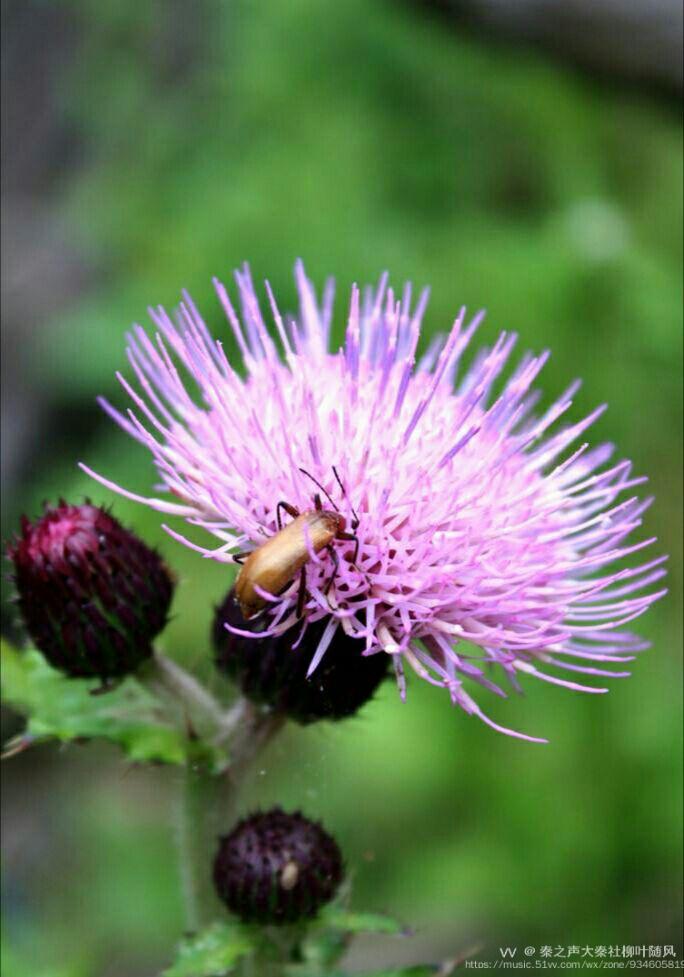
(302, 592)
(318, 505)
(336, 561)
(344, 535)
(240, 556)
(355, 520)
(290, 509)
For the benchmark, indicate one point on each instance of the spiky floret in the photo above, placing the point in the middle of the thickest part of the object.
(273, 670)
(486, 542)
(92, 595)
(277, 868)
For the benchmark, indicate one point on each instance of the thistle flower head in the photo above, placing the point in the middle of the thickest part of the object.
(92, 595)
(486, 534)
(276, 867)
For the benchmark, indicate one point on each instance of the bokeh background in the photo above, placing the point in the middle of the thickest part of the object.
(532, 166)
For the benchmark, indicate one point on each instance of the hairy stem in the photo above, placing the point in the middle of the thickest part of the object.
(208, 802)
(170, 682)
(255, 729)
(261, 965)
(207, 798)
(197, 798)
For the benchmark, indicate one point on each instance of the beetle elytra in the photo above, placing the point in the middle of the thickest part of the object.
(274, 564)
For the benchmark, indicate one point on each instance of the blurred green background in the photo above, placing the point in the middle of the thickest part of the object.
(175, 141)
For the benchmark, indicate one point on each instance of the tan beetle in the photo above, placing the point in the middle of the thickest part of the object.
(274, 564)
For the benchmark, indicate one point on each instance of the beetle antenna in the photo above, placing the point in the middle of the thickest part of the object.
(344, 493)
(309, 475)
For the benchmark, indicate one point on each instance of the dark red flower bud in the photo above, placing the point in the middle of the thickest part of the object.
(92, 595)
(271, 671)
(275, 867)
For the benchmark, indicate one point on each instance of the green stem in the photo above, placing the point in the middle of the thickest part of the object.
(207, 799)
(196, 800)
(255, 729)
(258, 965)
(181, 691)
(207, 805)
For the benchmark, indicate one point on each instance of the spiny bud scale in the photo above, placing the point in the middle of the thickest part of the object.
(92, 595)
(270, 670)
(276, 867)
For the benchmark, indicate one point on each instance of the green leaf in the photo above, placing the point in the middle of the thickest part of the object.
(322, 949)
(415, 970)
(418, 970)
(63, 708)
(341, 919)
(213, 952)
(329, 935)
(312, 969)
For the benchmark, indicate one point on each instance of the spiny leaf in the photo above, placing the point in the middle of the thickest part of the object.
(63, 708)
(329, 935)
(321, 949)
(212, 953)
(418, 970)
(350, 922)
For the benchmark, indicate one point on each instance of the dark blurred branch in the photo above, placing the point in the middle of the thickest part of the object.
(631, 40)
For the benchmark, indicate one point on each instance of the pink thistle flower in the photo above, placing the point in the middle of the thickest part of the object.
(486, 543)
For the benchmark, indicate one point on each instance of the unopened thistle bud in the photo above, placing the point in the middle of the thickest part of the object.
(92, 595)
(273, 670)
(275, 867)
